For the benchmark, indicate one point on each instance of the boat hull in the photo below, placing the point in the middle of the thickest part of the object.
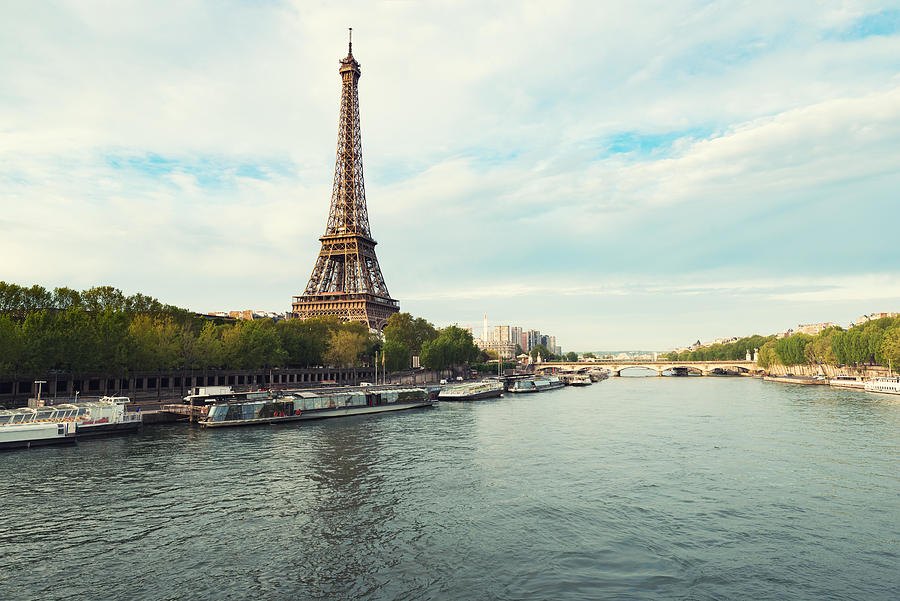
(478, 396)
(88, 431)
(321, 414)
(37, 435)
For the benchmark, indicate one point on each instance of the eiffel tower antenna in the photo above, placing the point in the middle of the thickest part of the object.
(346, 280)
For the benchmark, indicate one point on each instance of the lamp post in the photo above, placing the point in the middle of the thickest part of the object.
(39, 383)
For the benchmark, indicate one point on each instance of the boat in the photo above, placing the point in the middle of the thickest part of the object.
(548, 383)
(576, 379)
(472, 391)
(845, 381)
(884, 385)
(31, 434)
(597, 375)
(204, 395)
(301, 405)
(66, 422)
(522, 386)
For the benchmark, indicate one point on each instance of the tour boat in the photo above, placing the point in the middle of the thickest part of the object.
(30, 426)
(472, 391)
(32, 434)
(845, 381)
(548, 383)
(885, 385)
(314, 405)
(522, 386)
(576, 379)
(597, 375)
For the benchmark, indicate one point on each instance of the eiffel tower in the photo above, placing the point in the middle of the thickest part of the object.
(346, 281)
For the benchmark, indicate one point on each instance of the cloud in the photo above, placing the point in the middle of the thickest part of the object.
(587, 150)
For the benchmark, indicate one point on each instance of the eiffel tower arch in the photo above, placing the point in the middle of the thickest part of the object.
(346, 280)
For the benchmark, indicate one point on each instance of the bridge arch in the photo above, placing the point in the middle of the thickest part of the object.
(618, 369)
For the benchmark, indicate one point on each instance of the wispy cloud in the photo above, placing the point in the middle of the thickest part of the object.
(579, 150)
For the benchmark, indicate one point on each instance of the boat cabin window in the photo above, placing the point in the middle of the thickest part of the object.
(42, 415)
(4, 419)
(82, 411)
(17, 419)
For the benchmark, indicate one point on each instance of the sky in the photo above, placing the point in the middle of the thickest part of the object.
(623, 175)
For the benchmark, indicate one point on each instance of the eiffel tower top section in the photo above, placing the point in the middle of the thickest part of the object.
(348, 215)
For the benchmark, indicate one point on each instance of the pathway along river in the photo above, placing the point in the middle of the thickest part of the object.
(651, 488)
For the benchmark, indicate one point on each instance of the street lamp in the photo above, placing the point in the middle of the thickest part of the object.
(39, 382)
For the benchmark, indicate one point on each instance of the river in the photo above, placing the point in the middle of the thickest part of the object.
(633, 488)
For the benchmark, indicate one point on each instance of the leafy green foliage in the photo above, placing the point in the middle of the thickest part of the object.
(453, 346)
(102, 330)
(541, 350)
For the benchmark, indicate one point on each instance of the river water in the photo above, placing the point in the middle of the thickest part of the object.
(634, 488)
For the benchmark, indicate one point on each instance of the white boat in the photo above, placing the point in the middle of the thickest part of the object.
(845, 381)
(521, 386)
(576, 379)
(472, 391)
(30, 426)
(885, 385)
(548, 383)
(32, 434)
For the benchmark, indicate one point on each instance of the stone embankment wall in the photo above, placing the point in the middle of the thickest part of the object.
(424, 376)
(864, 371)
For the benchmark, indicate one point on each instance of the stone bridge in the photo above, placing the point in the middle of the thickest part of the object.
(615, 367)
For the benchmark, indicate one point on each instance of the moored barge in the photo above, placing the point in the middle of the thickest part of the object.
(472, 391)
(323, 404)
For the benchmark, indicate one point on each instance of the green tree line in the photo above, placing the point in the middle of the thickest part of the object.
(875, 342)
(405, 335)
(101, 330)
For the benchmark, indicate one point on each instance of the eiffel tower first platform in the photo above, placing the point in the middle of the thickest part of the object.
(346, 281)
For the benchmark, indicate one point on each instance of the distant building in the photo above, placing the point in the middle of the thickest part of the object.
(506, 350)
(863, 319)
(814, 328)
(532, 338)
(248, 314)
(515, 335)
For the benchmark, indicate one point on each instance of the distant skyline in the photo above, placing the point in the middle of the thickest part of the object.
(619, 174)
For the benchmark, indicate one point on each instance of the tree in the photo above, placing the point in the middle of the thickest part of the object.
(890, 347)
(819, 350)
(99, 298)
(11, 346)
(767, 356)
(571, 356)
(396, 355)
(541, 350)
(65, 298)
(453, 346)
(413, 332)
(251, 344)
(345, 347)
(589, 356)
(155, 343)
(791, 350)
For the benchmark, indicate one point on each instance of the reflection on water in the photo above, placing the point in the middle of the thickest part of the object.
(701, 488)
